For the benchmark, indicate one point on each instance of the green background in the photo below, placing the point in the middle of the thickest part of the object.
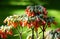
(11, 7)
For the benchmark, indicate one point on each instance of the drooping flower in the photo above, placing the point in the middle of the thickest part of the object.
(5, 30)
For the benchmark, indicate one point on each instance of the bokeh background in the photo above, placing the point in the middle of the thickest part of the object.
(17, 7)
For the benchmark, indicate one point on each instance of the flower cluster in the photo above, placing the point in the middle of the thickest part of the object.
(35, 10)
(35, 16)
(38, 16)
(5, 30)
(53, 34)
(12, 20)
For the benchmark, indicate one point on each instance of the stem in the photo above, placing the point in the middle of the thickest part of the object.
(32, 33)
(43, 32)
(41, 28)
(20, 35)
(46, 26)
(36, 34)
(20, 32)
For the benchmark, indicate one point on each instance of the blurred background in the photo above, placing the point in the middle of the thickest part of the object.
(10, 7)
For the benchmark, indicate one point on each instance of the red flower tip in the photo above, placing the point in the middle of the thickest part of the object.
(1, 32)
(20, 23)
(15, 24)
(54, 23)
(58, 29)
(43, 22)
(9, 32)
(29, 26)
(49, 24)
(4, 36)
(24, 23)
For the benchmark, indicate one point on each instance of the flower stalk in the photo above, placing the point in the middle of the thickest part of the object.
(32, 33)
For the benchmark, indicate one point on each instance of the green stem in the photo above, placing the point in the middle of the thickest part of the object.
(40, 32)
(20, 32)
(36, 34)
(20, 35)
(43, 32)
(32, 33)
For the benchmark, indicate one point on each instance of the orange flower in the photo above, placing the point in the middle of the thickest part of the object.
(32, 14)
(24, 23)
(29, 25)
(20, 23)
(43, 22)
(9, 22)
(49, 24)
(4, 36)
(44, 11)
(5, 31)
(1, 32)
(44, 16)
(26, 11)
(37, 25)
(29, 14)
(37, 19)
(9, 32)
(15, 24)
(58, 29)
(54, 23)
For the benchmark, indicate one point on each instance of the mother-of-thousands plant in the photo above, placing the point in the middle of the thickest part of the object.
(5, 30)
(35, 17)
